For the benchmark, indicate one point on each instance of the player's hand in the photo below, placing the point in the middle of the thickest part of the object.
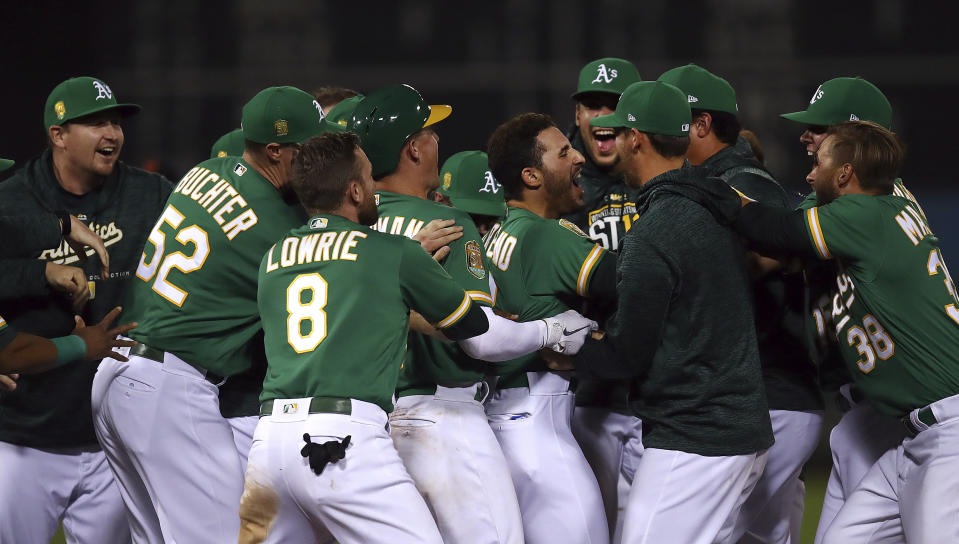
(70, 280)
(435, 236)
(8, 382)
(566, 332)
(101, 339)
(81, 237)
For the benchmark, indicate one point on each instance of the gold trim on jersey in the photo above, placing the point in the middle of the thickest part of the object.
(812, 221)
(480, 296)
(458, 313)
(584, 271)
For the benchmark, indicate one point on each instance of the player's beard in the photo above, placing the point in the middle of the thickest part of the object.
(368, 213)
(564, 192)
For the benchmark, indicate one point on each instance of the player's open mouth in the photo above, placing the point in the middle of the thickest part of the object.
(605, 139)
(107, 151)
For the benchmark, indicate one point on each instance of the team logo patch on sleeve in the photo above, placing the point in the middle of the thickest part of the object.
(474, 260)
(569, 225)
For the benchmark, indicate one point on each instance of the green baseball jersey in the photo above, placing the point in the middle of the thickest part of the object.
(7, 334)
(541, 267)
(335, 297)
(429, 361)
(195, 289)
(895, 311)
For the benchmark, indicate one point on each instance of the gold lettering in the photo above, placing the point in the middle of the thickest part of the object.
(228, 207)
(307, 248)
(288, 252)
(270, 265)
(239, 224)
(323, 249)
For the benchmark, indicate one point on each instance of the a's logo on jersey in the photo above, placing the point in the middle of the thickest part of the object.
(474, 260)
(615, 197)
(603, 75)
(691, 98)
(239, 169)
(492, 186)
(569, 225)
(319, 109)
(290, 408)
(447, 179)
(64, 254)
(816, 95)
(102, 90)
(60, 109)
(318, 223)
(281, 127)
(221, 154)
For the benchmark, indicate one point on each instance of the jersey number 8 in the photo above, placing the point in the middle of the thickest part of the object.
(309, 310)
(161, 265)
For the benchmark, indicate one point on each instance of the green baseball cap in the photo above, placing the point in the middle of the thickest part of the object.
(341, 113)
(282, 115)
(845, 99)
(650, 106)
(386, 117)
(231, 144)
(470, 185)
(704, 90)
(80, 96)
(5, 163)
(606, 75)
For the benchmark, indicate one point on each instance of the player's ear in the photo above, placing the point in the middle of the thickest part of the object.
(846, 173)
(56, 134)
(702, 123)
(637, 139)
(354, 192)
(532, 177)
(273, 151)
(579, 107)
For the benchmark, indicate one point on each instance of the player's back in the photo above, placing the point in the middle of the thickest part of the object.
(333, 296)
(195, 292)
(895, 310)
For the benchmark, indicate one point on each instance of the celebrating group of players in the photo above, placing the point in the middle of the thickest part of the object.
(329, 337)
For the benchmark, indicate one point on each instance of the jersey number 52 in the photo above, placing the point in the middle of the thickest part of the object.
(161, 264)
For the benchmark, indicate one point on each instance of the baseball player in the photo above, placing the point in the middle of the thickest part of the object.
(193, 297)
(609, 434)
(543, 265)
(854, 449)
(439, 426)
(322, 459)
(685, 332)
(50, 462)
(789, 377)
(231, 144)
(896, 322)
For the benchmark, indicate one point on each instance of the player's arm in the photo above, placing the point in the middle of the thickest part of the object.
(24, 233)
(26, 353)
(636, 329)
(558, 260)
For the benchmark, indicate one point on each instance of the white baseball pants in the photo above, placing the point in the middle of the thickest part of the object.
(365, 498)
(684, 497)
(910, 494)
(457, 465)
(172, 452)
(559, 498)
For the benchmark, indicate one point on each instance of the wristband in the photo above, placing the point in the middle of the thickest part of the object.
(70, 348)
(65, 224)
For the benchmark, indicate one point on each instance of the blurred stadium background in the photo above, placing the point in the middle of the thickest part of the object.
(192, 65)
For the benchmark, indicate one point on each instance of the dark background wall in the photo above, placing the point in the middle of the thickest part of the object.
(193, 64)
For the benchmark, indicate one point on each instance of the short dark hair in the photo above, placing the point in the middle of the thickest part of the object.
(328, 95)
(725, 125)
(669, 147)
(513, 146)
(323, 169)
(875, 153)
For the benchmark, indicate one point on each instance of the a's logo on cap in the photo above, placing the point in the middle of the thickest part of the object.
(318, 223)
(852, 117)
(447, 178)
(492, 186)
(103, 91)
(60, 109)
(816, 95)
(281, 127)
(603, 75)
(319, 109)
(685, 127)
(691, 98)
(630, 117)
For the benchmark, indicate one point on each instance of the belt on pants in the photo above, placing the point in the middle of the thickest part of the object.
(153, 354)
(318, 405)
(924, 415)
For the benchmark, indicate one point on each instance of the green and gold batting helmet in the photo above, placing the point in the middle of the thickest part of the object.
(386, 117)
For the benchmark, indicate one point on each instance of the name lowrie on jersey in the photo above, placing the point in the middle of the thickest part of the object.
(219, 198)
(326, 246)
(64, 254)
